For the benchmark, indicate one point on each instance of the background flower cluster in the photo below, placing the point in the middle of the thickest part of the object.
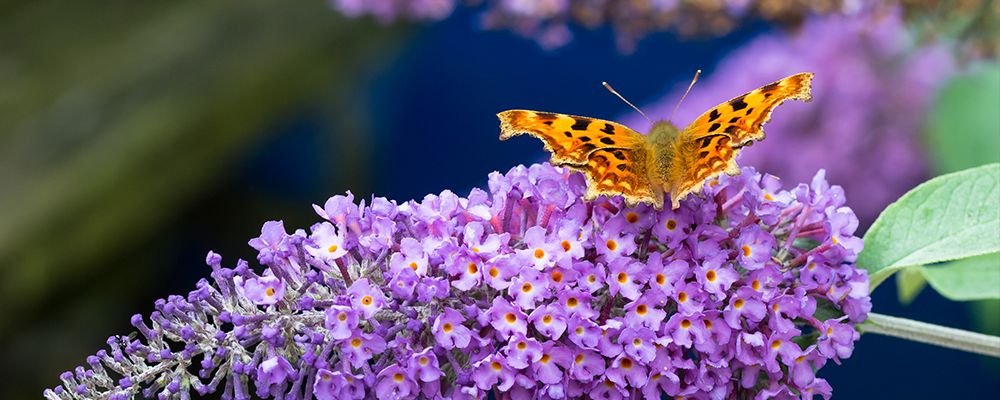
(873, 90)
(523, 290)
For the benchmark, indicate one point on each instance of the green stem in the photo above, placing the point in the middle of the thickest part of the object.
(932, 334)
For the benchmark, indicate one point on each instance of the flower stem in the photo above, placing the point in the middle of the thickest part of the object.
(932, 334)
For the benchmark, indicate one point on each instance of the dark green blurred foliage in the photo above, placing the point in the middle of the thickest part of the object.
(116, 118)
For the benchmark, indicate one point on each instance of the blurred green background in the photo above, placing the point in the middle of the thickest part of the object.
(137, 136)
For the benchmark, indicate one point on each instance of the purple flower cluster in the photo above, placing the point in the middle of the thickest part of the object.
(872, 85)
(547, 21)
(524, 291)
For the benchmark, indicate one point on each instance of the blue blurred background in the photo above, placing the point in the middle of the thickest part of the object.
(136, 137)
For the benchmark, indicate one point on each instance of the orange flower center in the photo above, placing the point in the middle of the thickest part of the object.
(632, 217)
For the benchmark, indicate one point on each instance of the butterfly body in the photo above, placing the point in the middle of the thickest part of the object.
(620, 161)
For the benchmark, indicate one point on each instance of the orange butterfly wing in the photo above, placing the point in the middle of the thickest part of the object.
(709, 145)
(613, 157)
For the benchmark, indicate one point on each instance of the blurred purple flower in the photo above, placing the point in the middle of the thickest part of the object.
(873, 84)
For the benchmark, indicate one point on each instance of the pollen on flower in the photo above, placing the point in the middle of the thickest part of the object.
(522, 345)
(539, 254)
(566, 245)
(612, 245)
(682, 297)
(641, 309)
(446, 327)
(776, 344)
(332, 248)
(833, 239)
(738, 303)
(269, 292)
(496, 366)
(342, 316)
(592, 278)
(423, 360)
(579, 330)
(686, 323)
(557, 276)
(755, 285)
(632, 217)
(526, 287)
(671, 224)
(325, 377)
(494, 272)
(708, 324)
(414, 266)
(547, 319)
(398, 377)
(473, 268)
(511, 318)
(367, 300)
(626, 363)
(545, 358)
(356, 342)
(768, 197)
(622, 277)
(637, 342)
(800, 358)
(572, 302)
(579, 358)
(746, 250)
(475, 249)
(710, 275)
(609, 384)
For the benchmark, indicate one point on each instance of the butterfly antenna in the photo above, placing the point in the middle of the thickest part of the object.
(696, 74)
(626, 101)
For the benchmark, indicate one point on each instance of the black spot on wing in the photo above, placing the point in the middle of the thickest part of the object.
(600, 160)
(714, 127)
(714, 115)
(766, 95)
(621, 167)
(585, 139)
(607, 141)
(733, 121)
(731, 129)
(580, 125)
(549, 123)
(705, 141)
(703, 154)
(738, 103)
(609, 129)
(587, 148)
(546, 116)
(619, 155)
(749, 110)
(566, 133)
(768, 88)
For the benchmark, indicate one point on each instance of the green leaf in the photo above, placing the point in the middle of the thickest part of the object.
(965, 114)
(946, 218)
(826, 310)
(974, 278)
(909, 283)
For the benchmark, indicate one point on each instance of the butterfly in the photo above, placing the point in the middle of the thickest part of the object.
(641, 168)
